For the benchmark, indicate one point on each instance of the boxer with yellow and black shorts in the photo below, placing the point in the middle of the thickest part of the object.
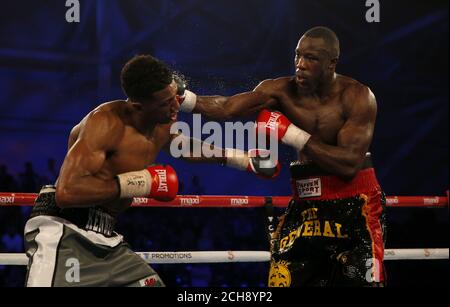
(332, 231)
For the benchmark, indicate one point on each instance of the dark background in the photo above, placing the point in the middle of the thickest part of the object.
(53, 72)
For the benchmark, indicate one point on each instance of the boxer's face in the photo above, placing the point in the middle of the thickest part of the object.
(313, 63)
(164, 106)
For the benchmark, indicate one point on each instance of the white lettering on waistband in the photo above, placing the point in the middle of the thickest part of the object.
(309, 187)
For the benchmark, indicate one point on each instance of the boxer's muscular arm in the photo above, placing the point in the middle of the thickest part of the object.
(185, 145)
(354, 138)
(73, 136)
(237, 106)
(195, 150)
(181, 146)
(79, 183)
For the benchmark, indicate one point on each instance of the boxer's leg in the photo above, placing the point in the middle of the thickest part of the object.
(42, 238)
(130, 270)
(363, 263)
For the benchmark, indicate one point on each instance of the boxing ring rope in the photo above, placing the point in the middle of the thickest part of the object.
(217, 201)
(202, 201)
(240, 256)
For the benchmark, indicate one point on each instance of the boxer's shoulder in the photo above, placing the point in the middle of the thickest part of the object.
(106, 123)
(274, 87)
(350, 87)
(276, 83)
(353, 93)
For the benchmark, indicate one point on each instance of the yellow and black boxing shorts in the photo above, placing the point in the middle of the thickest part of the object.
(332, 237)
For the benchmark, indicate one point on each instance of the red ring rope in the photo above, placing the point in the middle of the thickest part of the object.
(27, 199)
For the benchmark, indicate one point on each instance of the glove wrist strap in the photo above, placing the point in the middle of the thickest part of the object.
(296, 137)
(189, 102)
(135, 184)
(236, 159)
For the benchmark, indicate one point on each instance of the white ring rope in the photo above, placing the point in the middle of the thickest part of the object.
(242, 256)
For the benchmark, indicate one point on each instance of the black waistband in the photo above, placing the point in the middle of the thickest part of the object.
(92, 218)
(308, 169)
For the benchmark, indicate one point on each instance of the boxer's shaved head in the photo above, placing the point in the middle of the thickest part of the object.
(329, 37)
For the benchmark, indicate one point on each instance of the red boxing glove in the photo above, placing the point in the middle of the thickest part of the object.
(164, 184)
(287, 132)
(157, 181)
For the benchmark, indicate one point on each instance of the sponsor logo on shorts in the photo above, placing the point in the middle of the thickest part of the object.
(150, 282)
(239, 201)
(189, 201)
(279, 274)
(309, 187)
(4, 200)
(100, 221)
